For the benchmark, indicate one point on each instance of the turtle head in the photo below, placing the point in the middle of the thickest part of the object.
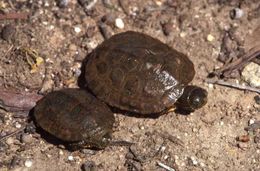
(192, 98)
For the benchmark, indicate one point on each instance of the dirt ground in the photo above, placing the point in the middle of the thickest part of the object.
(45, 52)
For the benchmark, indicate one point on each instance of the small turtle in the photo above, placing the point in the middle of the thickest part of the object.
(76, 117)
(135, 72)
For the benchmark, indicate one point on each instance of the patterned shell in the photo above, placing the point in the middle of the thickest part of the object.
(135, 72)
(74, 115)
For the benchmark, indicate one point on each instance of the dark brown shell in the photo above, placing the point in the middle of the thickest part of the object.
(135, 72)
(74, 115)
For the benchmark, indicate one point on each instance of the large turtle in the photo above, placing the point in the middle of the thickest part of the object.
(135, 72)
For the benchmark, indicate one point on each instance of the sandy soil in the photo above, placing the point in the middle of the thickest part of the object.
(63, 35)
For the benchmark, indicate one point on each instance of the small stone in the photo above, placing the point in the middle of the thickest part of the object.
(3, 147)
(210, 38)
(70, 158)
(63, 3)
(109, 19)
(243, 138)
(119, 23)
(211, 86)
(8, 32)
(77, 29)
(18, 125)
(251, 74)
(236, 13)
(30, 128)
(89, 166)
(9, 141)
(61, 152)
(159, 3)
(257, 139)
(192, 161)
(242, 145)
(257, 99)
(251, 121)
(14, 162)
(183, 34)
(26, 138)
(167, 28)
(28, 163)
(72, 47)
(88, 151)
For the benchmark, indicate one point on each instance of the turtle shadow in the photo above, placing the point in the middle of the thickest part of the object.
(135, 114)
(81, 79)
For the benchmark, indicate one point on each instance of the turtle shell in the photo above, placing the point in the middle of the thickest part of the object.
(135, 72)
(74, 115)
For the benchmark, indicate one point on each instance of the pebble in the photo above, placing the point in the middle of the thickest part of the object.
(236, 13)
(210, 38)
(243, 138)
(251, 74)
(167, 28)
(211, 86)
(70, 158)
(26, 138)
(8, 32)
(28, 163)
(119, 23)
(18, 125)
(89, 166)
(77, 29)
(257, 99)
(251, 121)
(63, 3)
(9, 141)
(3, 147)
(193, 161)
(183, 34)
(88, 151)
(61, 152)
(242, 145)
(257, 139)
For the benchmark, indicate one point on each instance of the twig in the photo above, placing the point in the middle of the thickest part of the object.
(11, 4)
(14, 15)
(122, 4)
(168, 168)
(237, 86)
(91, 5)
(226, 70)
(8, 51)
(15, 101)
(12, 133)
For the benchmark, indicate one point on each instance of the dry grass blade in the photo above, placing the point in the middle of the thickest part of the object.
(11, 134)
(14, 15)
(237, 86)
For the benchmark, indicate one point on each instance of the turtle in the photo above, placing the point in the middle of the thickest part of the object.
(135, 72)
(75, 117)
(130, 71)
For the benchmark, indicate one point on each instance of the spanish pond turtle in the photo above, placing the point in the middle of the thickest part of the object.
(75, 116)
(135, 72)
(130, 71)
